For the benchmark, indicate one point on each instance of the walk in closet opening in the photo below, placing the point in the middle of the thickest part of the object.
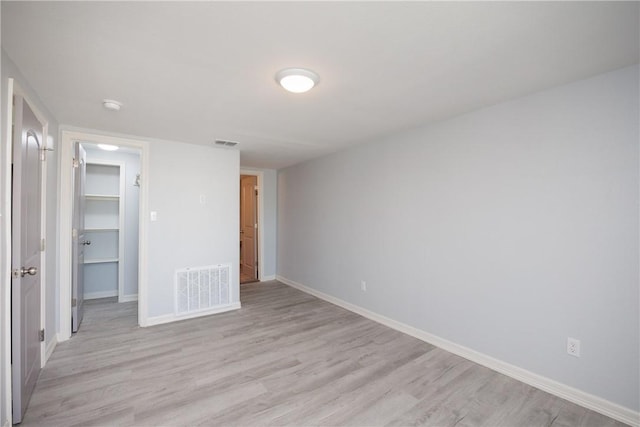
(111, 216)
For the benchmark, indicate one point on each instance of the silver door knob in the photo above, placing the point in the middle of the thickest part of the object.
(31, 271)
(86, 242)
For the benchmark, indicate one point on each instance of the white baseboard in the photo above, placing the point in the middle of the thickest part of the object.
(168, 318)
(102, 294)
(556, 388)
(7, 423)
(267, 278)
(60, 338)
(50, 347)
(128, 298)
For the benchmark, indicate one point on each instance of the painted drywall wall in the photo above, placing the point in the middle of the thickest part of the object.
(129, 261)
(9, 70)
(505, 230)
(194, 192)
(270, 221)
(270, 197)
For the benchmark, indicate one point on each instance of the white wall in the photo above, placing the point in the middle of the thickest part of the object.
(9, 70)
(188, 233)
(131, 209)
(270, 225)
(505, 230)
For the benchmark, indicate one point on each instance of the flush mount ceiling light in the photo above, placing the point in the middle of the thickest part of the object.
(112, 105)
(108, 147)
(297, 80)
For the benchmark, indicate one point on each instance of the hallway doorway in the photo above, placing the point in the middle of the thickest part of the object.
(248, 229)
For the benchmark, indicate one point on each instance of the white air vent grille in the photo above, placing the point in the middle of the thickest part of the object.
(202, 288)
(226, 143)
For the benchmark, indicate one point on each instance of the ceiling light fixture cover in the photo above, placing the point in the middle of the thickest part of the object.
(112, 105)
(108, 147)
(297, 80)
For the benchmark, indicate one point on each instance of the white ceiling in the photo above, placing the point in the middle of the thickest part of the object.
(200, 71)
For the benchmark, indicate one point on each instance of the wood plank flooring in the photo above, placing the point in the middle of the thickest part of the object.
(285, 358)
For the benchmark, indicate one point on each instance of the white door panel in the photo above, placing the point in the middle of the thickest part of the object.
(25, 285)
(78, 237)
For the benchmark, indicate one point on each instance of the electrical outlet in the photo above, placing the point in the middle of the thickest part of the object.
(363, 286)
(573, 347)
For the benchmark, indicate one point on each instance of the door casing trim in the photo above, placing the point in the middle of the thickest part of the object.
(5, 296)
(65, 176)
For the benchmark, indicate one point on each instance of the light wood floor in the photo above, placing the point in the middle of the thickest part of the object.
(285, 358)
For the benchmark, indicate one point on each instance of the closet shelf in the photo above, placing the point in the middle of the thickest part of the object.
(100, 261)
(95, 229)
(102, 197)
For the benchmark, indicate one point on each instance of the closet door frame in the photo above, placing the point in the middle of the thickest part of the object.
(65, 171)
(121, 219)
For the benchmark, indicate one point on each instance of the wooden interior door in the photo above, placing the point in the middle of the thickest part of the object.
(26, 248)
(248, 228)
(78, 236)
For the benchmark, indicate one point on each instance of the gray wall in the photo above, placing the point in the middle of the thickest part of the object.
(9, 70)
(505, 230)
(131, 210)
(188, 233)
(270, 221)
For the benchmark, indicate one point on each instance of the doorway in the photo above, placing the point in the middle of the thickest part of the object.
(105, 227)
(249, 229)
(67, 146)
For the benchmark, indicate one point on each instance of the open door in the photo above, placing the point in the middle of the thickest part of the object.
(25, 263)
(248, 228)
(78, 236)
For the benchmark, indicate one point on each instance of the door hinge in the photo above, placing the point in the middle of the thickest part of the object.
(42, 245)
(76, 163)
(74, 302)
(256, 192)
(41, 335)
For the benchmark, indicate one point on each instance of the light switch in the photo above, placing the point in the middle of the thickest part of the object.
(203, 199)
(154, 216)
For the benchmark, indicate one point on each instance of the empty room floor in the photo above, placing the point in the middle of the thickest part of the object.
(285, 358)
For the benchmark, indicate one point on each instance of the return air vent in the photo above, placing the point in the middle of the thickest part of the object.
(223, 143)
(202, 288)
